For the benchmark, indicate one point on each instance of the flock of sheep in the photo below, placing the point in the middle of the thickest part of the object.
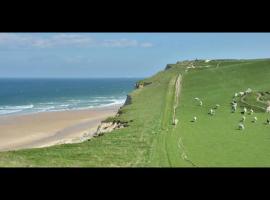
(245, 111)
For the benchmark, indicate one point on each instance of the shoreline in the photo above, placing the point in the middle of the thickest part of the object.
(67, 110)
(43, 129)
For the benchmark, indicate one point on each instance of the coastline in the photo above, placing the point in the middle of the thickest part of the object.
(45, 129)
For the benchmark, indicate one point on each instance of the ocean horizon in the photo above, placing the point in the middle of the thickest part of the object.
(34, 95)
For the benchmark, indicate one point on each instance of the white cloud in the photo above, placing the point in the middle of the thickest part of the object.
(14, 40)
(19, 40)
(146, 44)
(120, 43)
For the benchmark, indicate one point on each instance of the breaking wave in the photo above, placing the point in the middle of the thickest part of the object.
(64, 105)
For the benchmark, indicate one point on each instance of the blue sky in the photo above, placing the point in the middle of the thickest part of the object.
(118, 54)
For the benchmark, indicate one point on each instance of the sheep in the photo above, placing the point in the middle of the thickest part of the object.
(243, 119)
(211, 112)
(175, 122)
(200, 103)
(217, 106)
(235, 94)
(234, 106)
(233, 102)
(251, 112)
(197, 99)
(244, 110)
(194, 119)
(241, 94)
(241, 126)
(268, 109)
(248, 90)
(254, 119)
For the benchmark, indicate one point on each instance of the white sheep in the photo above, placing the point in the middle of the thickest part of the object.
(175, 122)
(235, 94)
(234, 106)
(234, 103)
(217, 106)
(241, 93)
(200, 103)
(243, 119)
(268, 109)
(197, 99)
(211, 112)
(248, 90)
(245, 110)
(251, 112)
(241, 126)
(254, 119)
(194, 119)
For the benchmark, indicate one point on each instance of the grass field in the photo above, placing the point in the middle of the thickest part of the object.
(151, 140)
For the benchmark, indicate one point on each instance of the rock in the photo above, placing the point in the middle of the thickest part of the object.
(128, 100)
(141, 84)
(106, 127)
(168, 67)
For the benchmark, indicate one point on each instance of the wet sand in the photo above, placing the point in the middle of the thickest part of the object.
(50, 128)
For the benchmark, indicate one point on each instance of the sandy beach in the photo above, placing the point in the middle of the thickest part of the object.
(50, 128)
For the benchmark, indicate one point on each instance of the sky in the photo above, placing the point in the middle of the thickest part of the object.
(94, 55)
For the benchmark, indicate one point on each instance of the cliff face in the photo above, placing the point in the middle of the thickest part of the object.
(128, 100)
(113, 124)
(141, 84)
(106, 127)
(168, 66)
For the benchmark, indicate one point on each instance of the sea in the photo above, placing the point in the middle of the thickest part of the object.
(23, 96)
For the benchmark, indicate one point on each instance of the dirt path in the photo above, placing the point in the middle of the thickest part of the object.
(176, 102)
(258, 98)
(177, 92)
(242, 99)
(168, 144)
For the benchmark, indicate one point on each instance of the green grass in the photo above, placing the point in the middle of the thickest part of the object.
(152, 140)
(215, 141)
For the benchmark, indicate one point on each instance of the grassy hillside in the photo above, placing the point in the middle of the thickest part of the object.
(215, 140)
(152, 140)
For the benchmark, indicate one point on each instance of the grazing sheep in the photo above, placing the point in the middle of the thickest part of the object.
(211, 112)
(241, 94)
(234, 102)
(194, 119)
(175, 122)
(236, 95)
(251, 112)
(248, 90)
(200, 103)
(244, 110)
(234, 106)
(268, 109)
(197, 99)
(241, 126)
(254, 119)
(217, 106)
(243, 119)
